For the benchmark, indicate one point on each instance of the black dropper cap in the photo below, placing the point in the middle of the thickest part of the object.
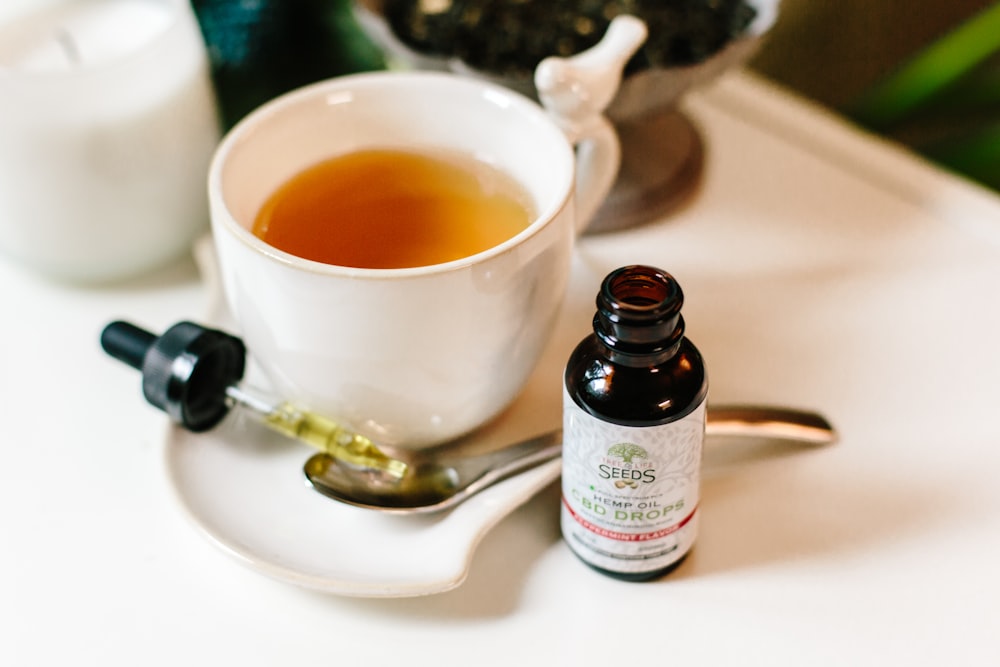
(185, 371)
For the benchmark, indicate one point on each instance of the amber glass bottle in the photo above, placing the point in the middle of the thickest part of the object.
(634, 423)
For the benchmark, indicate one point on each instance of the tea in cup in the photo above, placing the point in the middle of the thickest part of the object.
(426, 209)
(351, 221)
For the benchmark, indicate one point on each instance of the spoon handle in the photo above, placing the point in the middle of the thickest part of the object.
(513, 460)
(725, 420)
(769, 422)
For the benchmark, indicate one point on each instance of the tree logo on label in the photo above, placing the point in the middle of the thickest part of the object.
(627, 451)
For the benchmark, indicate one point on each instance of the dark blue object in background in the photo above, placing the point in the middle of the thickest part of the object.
(259, 49)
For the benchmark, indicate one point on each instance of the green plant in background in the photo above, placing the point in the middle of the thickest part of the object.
(261, 49)
(944, 102)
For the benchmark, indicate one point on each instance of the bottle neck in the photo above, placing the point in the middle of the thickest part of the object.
(647, 353)
(638, 316)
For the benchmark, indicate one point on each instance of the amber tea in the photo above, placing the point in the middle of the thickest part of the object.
(391, 209)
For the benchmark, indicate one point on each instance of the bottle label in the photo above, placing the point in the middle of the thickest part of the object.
(630, 494)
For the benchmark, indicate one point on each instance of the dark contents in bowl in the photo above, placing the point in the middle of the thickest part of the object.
(511, 37)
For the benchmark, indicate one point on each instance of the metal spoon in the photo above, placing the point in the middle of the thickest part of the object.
(435, 483)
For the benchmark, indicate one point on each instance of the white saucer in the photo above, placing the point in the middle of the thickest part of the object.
(244, 487)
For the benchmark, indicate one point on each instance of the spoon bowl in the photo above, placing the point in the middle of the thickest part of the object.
(434, 482)
(430, 484)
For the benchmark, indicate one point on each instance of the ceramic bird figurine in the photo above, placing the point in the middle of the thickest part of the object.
(576, 90)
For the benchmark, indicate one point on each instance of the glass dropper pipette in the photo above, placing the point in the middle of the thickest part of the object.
(193, 373)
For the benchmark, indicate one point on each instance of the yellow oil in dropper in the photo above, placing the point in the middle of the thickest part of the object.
(321, 432)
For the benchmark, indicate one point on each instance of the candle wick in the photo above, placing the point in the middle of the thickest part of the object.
(68, 44)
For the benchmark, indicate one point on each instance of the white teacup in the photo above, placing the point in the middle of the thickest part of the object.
(417, 356)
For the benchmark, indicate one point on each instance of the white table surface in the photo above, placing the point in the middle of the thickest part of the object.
(822, 269)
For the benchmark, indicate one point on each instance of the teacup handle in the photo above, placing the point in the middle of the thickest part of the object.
(576, 91)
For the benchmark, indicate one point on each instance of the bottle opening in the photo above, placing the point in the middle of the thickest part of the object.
(640, 290)
(638, 311)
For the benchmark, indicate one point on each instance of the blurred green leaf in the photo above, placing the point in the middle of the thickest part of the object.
(976, 154)
(931, 72)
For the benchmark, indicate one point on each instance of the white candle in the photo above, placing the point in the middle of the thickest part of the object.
(107, 125)
(82, 35)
